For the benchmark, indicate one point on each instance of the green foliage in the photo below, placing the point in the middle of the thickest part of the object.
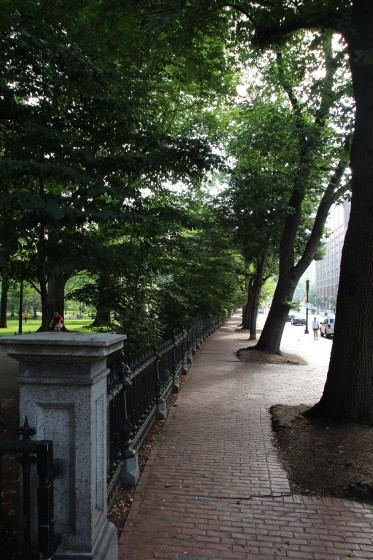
(168, 274)
(203, 280)
(106, 104)
(86, 131)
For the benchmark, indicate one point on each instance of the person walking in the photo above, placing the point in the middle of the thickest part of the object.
(315, 328)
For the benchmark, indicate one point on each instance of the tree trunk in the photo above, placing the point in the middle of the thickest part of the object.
(256, 290)
(56, 295)
(52, 292)
(103, 308)
(247, 311)
(4, 301)
(103, 316)
(44, 304)
(348, 392)
(270, 338)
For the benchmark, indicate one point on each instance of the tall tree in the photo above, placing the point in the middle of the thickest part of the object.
(289, 154)
(317, 149)
(348, 392)
(255, 204)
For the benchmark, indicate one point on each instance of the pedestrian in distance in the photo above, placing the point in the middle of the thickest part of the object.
(56, 323)
(315, 328)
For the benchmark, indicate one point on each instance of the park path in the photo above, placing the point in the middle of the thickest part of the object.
(213, 487)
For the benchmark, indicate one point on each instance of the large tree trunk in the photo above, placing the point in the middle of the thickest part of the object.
(56, 295)
(4, 301)
(44, 303)
(270, 338)
(52, 292)
(348, 392)
(103, 316)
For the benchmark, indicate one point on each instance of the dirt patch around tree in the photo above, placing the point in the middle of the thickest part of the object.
(320, 459)
(324, 459)
(257, 356)
(250, 354)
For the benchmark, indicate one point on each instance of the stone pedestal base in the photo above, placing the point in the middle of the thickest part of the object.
(161, 410)
(63, 378)
(131, 470)
(176, 384)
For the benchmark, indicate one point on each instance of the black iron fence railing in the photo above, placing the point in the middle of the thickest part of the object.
(136, 395)
(136, 390)
(39, 455)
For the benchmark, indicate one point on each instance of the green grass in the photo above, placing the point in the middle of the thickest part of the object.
(32, 325)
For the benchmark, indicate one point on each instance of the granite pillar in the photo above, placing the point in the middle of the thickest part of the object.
(62, 380)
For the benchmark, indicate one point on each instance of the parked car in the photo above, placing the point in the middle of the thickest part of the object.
(298, 321)
(327, 327)
(290, 317)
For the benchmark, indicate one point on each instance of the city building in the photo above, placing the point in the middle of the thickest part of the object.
(327, 270)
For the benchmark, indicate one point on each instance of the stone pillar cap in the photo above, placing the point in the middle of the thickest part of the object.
(61, 344)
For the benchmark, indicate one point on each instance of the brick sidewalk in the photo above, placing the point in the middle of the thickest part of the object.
(213, 488)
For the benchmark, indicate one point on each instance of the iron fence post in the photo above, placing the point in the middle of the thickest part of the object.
(3, 427)
(175, 366)
(130, 470)
(26, 461)
(160, 402)
(47, 472)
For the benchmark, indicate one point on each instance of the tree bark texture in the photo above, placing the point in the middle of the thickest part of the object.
(257, 288)
(56, 296)
(247, 310)
(270, 338)
(44, 303)
(348, 392)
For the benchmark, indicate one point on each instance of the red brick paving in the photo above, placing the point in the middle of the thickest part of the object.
(213, 488)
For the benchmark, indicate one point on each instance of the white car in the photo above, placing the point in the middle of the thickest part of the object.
(327, 327)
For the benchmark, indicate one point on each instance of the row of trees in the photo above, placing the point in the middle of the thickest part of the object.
(107, 104)
(291, 147)
(279, 26)
(97, 122)
(348, 393)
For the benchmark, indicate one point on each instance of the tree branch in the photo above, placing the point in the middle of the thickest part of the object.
(268, 33)
(332, 193)
(285, 84)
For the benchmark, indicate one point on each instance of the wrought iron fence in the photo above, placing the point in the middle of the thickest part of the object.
(40, 454)
(136, 388)
(136, 393)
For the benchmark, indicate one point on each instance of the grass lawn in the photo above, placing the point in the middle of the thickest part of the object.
(32, 325)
